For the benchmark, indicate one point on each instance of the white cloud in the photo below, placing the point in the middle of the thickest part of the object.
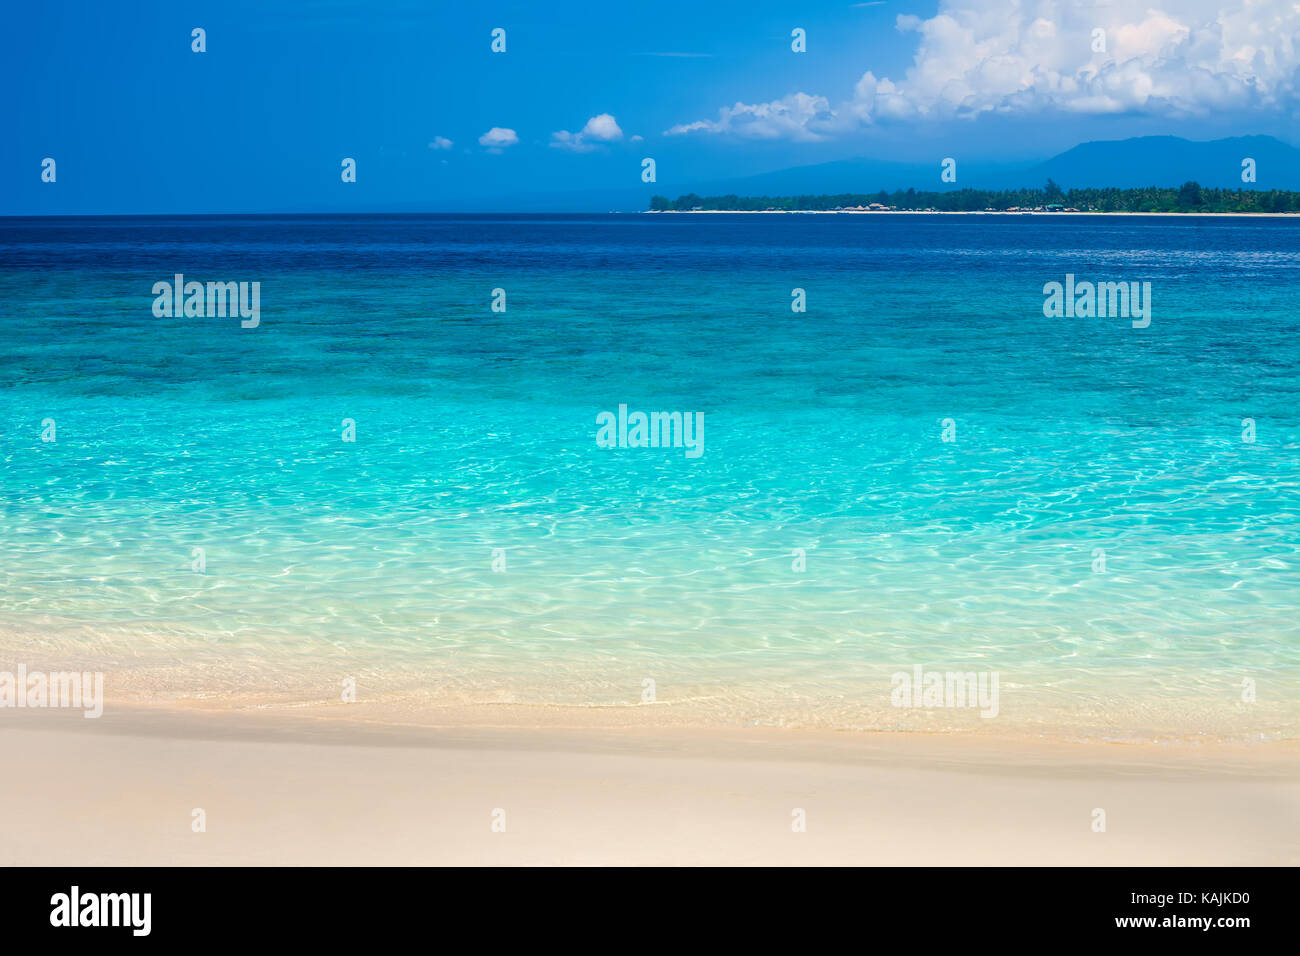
(797, 116)
(497, 139)
(602, 128)
(976, 57)
(441, 142)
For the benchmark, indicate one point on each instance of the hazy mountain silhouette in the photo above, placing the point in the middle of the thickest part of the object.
(1141, 161)
(1172, 161)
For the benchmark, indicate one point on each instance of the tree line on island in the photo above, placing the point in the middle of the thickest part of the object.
(1190, 197)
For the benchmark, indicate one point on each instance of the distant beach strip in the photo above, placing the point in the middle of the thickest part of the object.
(1189, 199)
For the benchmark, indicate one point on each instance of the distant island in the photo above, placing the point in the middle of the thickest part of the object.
(1190, 197)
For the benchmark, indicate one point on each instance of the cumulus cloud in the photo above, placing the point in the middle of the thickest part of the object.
(497, 139)
(441, 142)
(976, 57)
(602, 128)
(797, 116)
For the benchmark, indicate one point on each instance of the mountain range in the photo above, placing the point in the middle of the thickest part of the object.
(1136, 162)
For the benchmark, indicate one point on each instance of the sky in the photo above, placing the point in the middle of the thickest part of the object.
(711, 90)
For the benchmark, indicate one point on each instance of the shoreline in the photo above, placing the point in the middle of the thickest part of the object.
(448, 703)
(386, 688)
(274, 789)
(349, 725)
(961, 212)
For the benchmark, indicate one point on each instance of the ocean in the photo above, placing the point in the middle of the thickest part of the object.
(922, 469)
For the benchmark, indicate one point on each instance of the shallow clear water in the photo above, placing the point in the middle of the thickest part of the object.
(476, 430)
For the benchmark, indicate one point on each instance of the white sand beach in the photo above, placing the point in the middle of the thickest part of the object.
(312, 787)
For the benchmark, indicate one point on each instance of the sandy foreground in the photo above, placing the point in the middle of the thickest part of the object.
(315, 788)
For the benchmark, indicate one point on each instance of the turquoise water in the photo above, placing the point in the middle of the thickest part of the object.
(476, 430)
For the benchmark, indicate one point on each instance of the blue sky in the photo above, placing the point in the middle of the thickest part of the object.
(260, 122)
